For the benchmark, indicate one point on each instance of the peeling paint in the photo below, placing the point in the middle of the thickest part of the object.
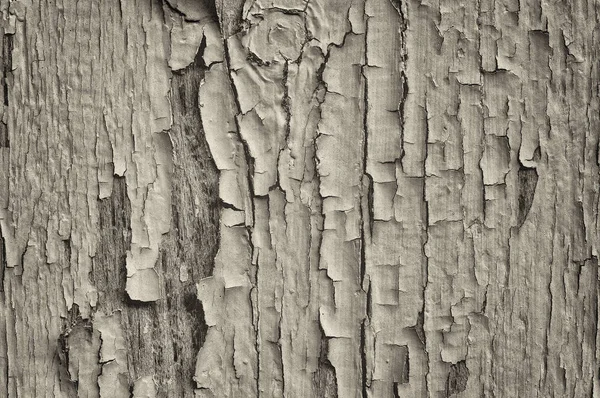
(366, 198)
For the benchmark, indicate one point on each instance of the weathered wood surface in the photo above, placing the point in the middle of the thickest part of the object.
(324, 198)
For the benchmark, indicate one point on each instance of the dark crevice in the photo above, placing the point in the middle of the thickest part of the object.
(256, 60)
(325, 376)
(366, 225)
(397, 4)
(528, 178)
(395, 390)
(457, 378)
(207, 7)
(131, 303)
(3, 263)
(7, 48)
(404, 375)
(419, 327)
(286, 101)
(196, 312)
(363, 357)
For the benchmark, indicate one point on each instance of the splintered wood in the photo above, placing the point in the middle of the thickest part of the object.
(300, 198)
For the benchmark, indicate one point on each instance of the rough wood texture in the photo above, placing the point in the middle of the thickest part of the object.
(299, 198)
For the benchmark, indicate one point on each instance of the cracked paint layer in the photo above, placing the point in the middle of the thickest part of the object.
(328, 198)
(421, 164)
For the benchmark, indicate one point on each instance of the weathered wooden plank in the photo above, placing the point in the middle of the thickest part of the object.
(366, 198)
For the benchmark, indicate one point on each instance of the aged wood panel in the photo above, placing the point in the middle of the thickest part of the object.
(301, 198)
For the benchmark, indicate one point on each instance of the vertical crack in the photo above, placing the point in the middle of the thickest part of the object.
(368, 212)
(363, 357)
(7, 48)
(3, 263)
